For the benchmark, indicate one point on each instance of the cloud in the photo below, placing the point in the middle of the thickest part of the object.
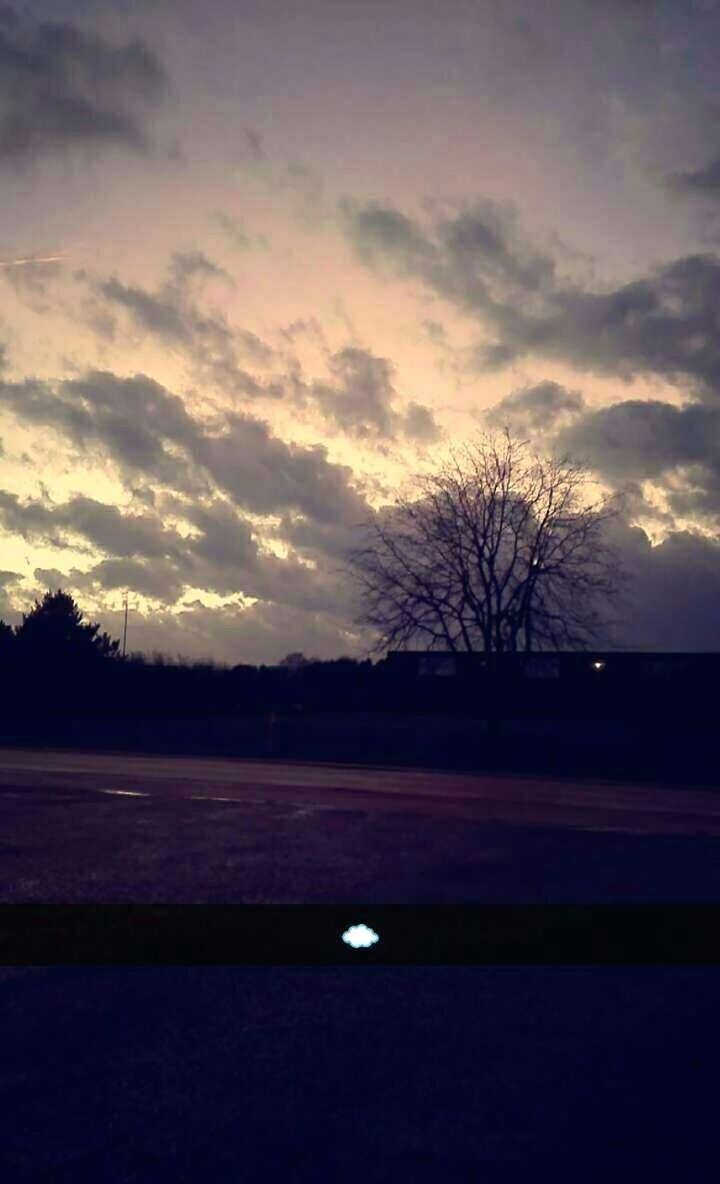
(9, 581)
(141, 425)
(704, 182)
(186, 266)
(671, 602)
(663, 324)
(212, 347)
(359, 399)
(236, 234)
(61, 88)
(157, 581)
(382, 235)
(140, 552)
(309, 537)
(644, 439)
(71, 409)
(537, 408)
(677, 449)
(153, 313)
(674, 591)
(9, 577)
(474, 253)
(265, 473)
(258, 633)
(105, 526)
(419, 423)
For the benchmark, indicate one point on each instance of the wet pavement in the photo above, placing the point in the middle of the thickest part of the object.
(89, 827)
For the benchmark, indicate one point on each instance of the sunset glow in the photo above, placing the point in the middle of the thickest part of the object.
(260, 263)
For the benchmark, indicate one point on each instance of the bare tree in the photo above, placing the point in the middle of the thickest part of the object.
(498, 551)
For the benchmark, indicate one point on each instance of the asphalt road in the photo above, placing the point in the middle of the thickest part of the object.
(528, 801)
(88, 826)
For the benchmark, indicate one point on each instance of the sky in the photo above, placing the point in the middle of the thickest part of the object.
(263, 261)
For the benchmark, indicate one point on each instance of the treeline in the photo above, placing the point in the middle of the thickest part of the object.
(56, 662)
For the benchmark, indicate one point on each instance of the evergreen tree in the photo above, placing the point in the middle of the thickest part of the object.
(55, 631)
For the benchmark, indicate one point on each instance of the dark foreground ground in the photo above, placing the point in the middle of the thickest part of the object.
(488, 1075)
(83, 827)
(142, 1075)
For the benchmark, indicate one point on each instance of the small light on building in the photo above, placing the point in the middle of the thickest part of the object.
(598, 664)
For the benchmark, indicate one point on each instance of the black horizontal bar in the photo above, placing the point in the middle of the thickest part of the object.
(114, 934)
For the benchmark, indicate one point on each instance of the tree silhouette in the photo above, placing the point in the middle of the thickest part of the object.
(498, 551)
(55, 632)
(7, 639)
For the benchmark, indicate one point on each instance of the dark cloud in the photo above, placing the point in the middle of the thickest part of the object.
(704, 182)
(265, 474)
(262, 632)
(79, 411)
(697, 497)
(674, 591)
(155, 314)
(310, 538)
(537, 408)
(143, 427)
(145, 556)
(675, 448)
(171, 314)
(9, 581)
(664, 323)
(382, 235)
(186, 266)
(104, 526)
(474, 253)
(671, 602)
(418, 423)
(120, 534)
(225, 540)
(158, 580)
(644, 439)
(308, 327)
(62, 87)
(360, 399)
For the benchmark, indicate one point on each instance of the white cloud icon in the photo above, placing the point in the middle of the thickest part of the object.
(359, 936)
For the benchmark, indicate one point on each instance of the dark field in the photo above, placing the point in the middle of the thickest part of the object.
(122, 828)
(494, 1075)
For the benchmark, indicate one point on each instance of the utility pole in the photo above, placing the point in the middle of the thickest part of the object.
(124, 645)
